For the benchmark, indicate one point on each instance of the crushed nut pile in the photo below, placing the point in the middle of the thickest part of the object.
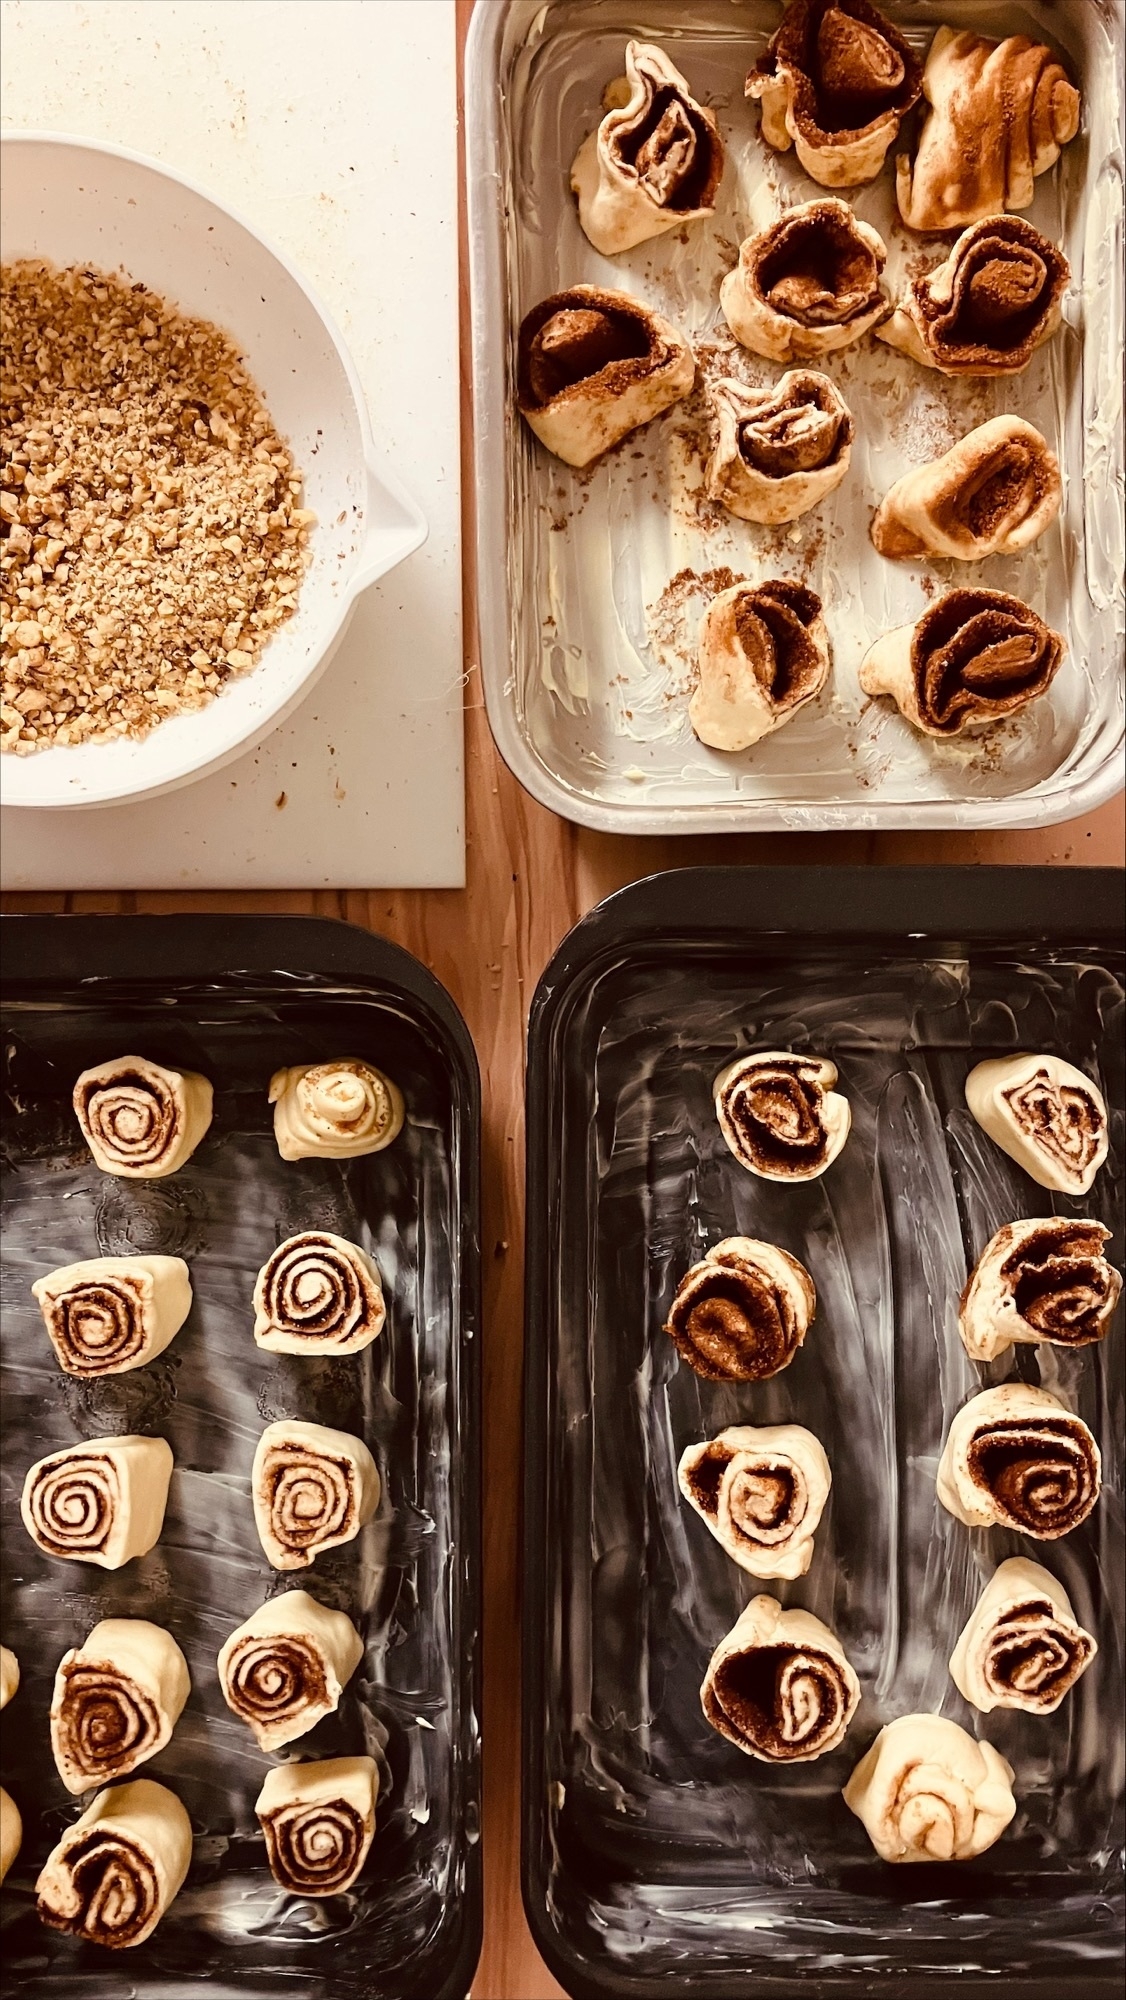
(153, 532)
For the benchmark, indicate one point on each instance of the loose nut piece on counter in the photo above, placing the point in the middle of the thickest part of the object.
(778, 450)
(742, 1312)
(1022, 1646)
(142, 1121)
(318, 1294)
(991, 494)
(780, 1686)
(101, 1502)
(1045, 1114)
(836, 81)
(927, 1791)
(318, 1819)
(973, 658)
(114, 1873)
(1000, 113)
(1041, 1280)
(780, 1115)
(655, 161)
(1016, 1457)
(287, 1666)
(593, 365)
(117, 1698)
(334, 1110)
(761, 1492)
(108, 1315)
(762, 654)
(808, 284)
(312, 1488)
(987, 309)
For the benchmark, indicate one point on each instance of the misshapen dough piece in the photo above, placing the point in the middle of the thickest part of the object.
(742, 1312)
(101, 1502)
(974, 657)
(288, 1666)
(313, 1488)
(763, 653)
(318, 1820)
(334, 1110)
(779, 450)
(593, 365)
(780, 1686)
(988, 307)
(807, 285)
(11, 1831)
(1045, 1114)
(1046, 1279)
(926, 1791)
(116, 1870)
(1022, 1646)
(837, 80)
(9, 1675)
(1000, 114)
(761, 1492)
(116, 1701)
(318, 1294)
(107, 1315)
(991, 494)
(1016, 1457)
(655, 161)
(780, 1115)
(139, 1120)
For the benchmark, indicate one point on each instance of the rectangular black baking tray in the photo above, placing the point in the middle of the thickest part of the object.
(657, 1860)
(236, 997)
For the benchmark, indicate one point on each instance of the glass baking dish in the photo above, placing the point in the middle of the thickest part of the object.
(592, 584)
(237, 997)
(658, 1861)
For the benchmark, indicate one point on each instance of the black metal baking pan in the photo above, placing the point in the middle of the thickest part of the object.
(236, 998)
(657, 1859)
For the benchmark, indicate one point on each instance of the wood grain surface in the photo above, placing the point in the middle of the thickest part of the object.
(530, 877)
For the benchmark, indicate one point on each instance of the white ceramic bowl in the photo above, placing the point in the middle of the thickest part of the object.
(73, 201)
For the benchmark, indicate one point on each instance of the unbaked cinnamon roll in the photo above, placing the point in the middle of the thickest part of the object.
(741, 1314)
(9, 1675)
(926, 1791)
(763, 653)
(991, 494)
(101, 1502)
(116, 1870)
(107, 1315)
(334, 1110)
(593, 365)
(1046, 1279)
(974, 657)
(318, 1820)
(318, 1294)
(116, 1701)
(11, 1831)
(1022, 1646)
(988, 308)
(655, 161)
(837, 81)
(1015, 1457)
(139, 1120)
(780, 1114)
(761, 1492)
(779, 1686)
(1045, 1114)
(313, 1488)
(1000, 114)
(807, 285)
(287, 1666)
(778, 451)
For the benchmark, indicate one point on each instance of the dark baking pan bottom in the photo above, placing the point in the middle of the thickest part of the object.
(237, 998)
(658, 1860)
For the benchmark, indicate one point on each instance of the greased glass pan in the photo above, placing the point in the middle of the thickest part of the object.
(592, 584)
(658, 1860)
(236, 998)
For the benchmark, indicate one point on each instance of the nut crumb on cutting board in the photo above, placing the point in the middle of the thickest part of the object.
(153, 531)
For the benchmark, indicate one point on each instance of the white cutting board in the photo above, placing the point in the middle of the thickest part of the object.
(332, 126)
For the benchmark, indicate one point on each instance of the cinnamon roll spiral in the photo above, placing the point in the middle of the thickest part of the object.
(926, 1791)
(334, 1110)
(1046, 1279)
(987, 309)
(593, 365)
(108, 1315)
(313, 1488)
(318, 1294)
(101, 1502)
(287, 1666)
(761, 1492)
(974, 657)
(139, 1120)
(837, 81)
(992, 493)
(778, 451)
(116, 1701)
(1045, 1114)
(318, 1820)
(655, 161)
(779, 1686)
(742, 1312)
(780, 1114)
(807, 285)
(115, 1871)
(763, 654)
(1022, 1646)
(1016, 1458)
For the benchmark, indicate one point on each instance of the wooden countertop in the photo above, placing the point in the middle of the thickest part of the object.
(530, 877)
